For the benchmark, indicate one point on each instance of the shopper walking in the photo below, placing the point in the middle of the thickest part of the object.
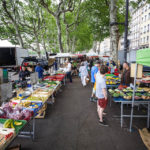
(68, 71)
(101, 93)
(83, 74)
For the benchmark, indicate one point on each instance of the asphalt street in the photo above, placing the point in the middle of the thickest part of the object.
(72, 124)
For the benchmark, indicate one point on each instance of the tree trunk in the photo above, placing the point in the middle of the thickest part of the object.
(20, 41)
(94, 46)
(73, 44)
(59, 34)
(38, 46)
(113, 31)
(99, 48)
(67, 36)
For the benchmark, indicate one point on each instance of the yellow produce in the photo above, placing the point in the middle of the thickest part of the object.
(17, 123)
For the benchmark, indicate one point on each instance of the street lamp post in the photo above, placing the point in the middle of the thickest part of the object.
(126, 31)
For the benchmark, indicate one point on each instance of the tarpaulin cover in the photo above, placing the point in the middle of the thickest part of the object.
(143, 57)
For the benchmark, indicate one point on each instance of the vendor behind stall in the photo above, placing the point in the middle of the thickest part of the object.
(125, 77)
(68, 70)
(23, 73)
(39, 69)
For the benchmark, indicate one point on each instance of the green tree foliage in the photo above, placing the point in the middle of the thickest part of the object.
(69, 26)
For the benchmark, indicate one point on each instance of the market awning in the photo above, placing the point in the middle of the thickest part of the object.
(143, 57)
(91, 53)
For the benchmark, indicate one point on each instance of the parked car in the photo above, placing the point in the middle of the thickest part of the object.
(33, 61)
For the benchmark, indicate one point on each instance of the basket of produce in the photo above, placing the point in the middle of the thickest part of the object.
(127, 97)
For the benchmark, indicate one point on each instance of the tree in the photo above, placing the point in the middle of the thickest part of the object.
(9, 16)
(113, 30)
(61, 7)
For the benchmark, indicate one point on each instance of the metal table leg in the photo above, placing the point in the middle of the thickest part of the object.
(31, 134)
(121, 115)
(110, 99)
(33, 129)
(148, 115)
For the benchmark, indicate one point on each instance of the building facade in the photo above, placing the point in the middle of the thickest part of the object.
(139, 33)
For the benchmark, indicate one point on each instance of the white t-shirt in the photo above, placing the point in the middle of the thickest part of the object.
(86, 63)
(83, 71)
(100, 84)
(68, 67)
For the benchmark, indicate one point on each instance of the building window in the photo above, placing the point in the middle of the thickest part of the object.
(144, 29)
(147, 38)
(149, 16)
(145, 17)
(148, 28)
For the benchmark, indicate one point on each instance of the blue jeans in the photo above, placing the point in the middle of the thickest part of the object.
(69, 76)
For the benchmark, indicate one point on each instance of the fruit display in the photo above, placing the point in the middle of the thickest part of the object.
(127, 93)
(12, 124)
(25, 106)
(9, 123)
(112, 80)
(36, 98)
(17, 113)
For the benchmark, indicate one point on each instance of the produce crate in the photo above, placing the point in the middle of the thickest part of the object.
(41, 115)
(41, 112)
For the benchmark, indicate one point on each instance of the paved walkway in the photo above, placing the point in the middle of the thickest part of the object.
(72, 124)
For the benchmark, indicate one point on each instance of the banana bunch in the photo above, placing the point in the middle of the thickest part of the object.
(17, 123)
(9, 124)
(25, 104)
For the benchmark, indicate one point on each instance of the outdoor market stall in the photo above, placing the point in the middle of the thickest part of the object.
(134, 95)
(142, 58)
(23, 109)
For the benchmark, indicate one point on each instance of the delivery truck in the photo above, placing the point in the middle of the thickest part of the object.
(12, 57)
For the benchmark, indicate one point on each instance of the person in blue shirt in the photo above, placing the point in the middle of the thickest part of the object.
(94, 71)
(55, 65)
(39, 69)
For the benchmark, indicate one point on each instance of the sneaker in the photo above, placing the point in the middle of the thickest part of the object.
(104, 113)
(103, 123)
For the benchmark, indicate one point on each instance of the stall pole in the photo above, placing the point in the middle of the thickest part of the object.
(121, 115)
(148, 115)
(132, 108)
(33, 129)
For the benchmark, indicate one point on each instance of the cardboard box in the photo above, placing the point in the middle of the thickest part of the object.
(139, 70)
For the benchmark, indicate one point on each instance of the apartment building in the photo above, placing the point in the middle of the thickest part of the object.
(139, 27)
(144, 26)
(134, 29)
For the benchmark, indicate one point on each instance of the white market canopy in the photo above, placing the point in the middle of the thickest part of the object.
(91, 53)
(62, 55)
(5, 43)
